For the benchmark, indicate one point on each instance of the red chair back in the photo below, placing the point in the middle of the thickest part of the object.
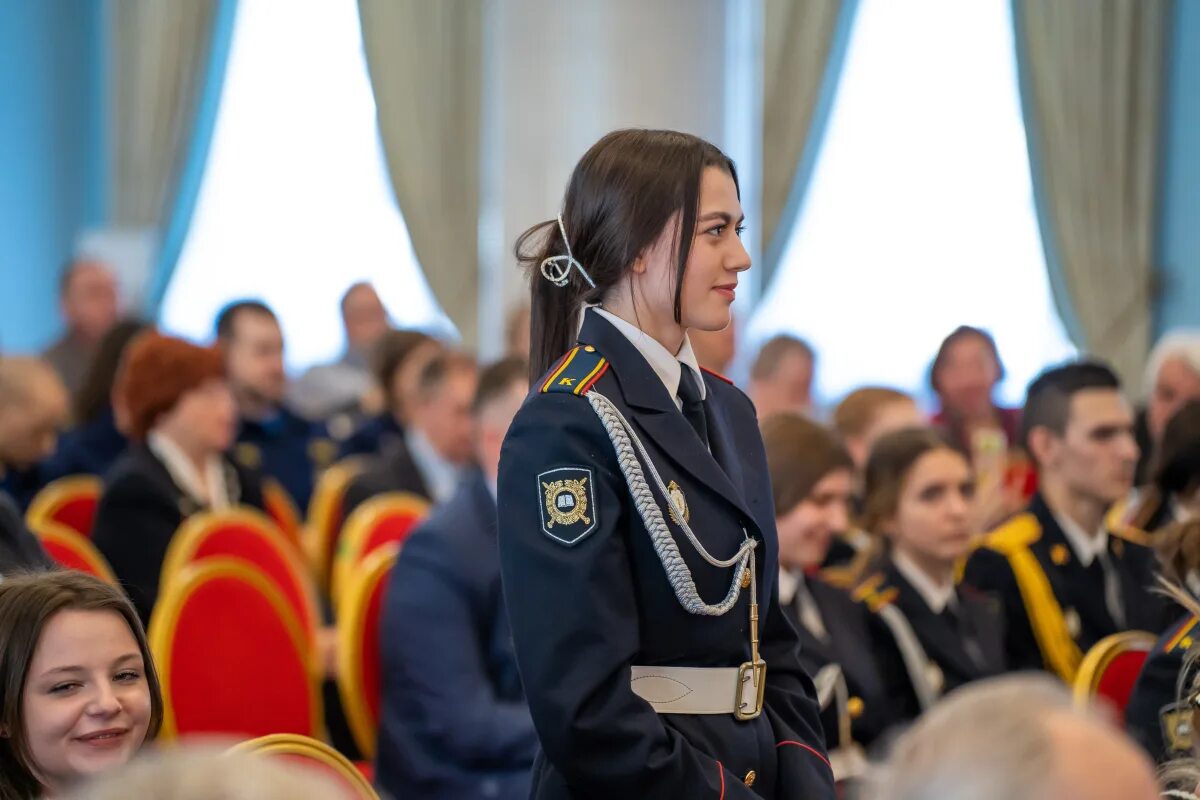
(282, 510)
(250, 536)
(359, 670)
(232, 656)
(383, 520)
(1111, 668)
(306, 753)
(70, 502)
(70, 550)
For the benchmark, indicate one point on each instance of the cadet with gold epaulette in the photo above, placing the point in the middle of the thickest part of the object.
(271, 438)
(1065, 580)
(929, 635)
(637, 535)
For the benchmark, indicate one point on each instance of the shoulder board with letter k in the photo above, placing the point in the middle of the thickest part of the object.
(576, 372)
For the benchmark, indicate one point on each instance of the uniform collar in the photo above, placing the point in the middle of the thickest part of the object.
(668, 367)
(936, 597)
(1087, 547)
(209, 489)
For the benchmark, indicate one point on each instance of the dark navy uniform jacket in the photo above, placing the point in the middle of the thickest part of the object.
(373, 436)
(454, 724)
(288, 448)
(963, 643)
(1078, 591)
(1152, 715)
(89, 449)
(588, 596)
(21, 485)
(847, 644)
(20, 550)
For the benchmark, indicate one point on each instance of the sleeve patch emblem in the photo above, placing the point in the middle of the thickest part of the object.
(568, 504)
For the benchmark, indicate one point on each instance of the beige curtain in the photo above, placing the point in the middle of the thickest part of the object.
(798, 38)
(425, 63)
(160, 54)
(1092, 76)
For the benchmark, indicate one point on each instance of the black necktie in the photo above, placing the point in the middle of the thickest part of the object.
(693, 404)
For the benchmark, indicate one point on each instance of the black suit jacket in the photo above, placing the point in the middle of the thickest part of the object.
(19, 549)
(849, 646)
(588, 595)
(139, 512)
(394, 471)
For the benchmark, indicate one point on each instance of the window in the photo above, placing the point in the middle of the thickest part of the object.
(296, 204)
(920, 214)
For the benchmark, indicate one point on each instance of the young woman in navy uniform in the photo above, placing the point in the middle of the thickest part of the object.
(930, 636)
(637, 535)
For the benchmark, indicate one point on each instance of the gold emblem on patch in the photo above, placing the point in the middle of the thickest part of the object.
(1059, 554)
(677, 501)
(566, 502)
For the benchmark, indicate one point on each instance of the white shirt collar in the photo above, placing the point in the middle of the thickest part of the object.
(936, 597)
(441, 476)
(209, 490)
(1087, 548)
(666, 366)
(789, 582)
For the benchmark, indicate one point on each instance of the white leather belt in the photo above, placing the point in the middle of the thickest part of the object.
(700, 690)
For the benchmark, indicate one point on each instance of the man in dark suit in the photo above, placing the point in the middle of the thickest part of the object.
(271, 437)
(1065, 580)
(454, 724)
(437, 445)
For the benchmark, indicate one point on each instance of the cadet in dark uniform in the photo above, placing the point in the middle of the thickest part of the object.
(1065, 580)
(271, 438)
(1159, 712)
(930, 636)
(641, 588)
(1174, 494)
(812, 480)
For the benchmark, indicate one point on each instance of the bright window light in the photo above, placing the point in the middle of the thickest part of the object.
(296, 204)
(920, 215)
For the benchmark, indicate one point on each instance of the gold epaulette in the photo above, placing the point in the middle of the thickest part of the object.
(1125, 520)
(1131, 534)
(1018, 533)
(874, 594)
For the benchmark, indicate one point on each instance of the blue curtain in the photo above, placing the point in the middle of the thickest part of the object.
(179, 220)
(773, 250)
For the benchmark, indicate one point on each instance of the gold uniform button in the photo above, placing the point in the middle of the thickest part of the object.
(750, 778)
(855, 707)
(746, 579)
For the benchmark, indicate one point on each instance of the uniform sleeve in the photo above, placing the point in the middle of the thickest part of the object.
(575, 620)
(795, 716)
(988, 572)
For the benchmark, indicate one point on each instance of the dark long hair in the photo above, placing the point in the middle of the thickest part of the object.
(622, 194)
(27, 603)
(95, 395)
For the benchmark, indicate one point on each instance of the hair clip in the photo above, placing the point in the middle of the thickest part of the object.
(557, 269)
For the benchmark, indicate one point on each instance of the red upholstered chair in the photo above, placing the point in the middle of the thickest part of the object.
(1111, 668)
(325, 516)
(381, 520)
(281, 508)
(249, 536)
(306, 753)
(232, 655)
(70, 550)
(358, 646)
(69, 501)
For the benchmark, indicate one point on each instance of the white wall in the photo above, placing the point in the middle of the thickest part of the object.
(558, 75)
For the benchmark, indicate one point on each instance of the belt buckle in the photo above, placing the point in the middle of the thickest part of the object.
(754, 672)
